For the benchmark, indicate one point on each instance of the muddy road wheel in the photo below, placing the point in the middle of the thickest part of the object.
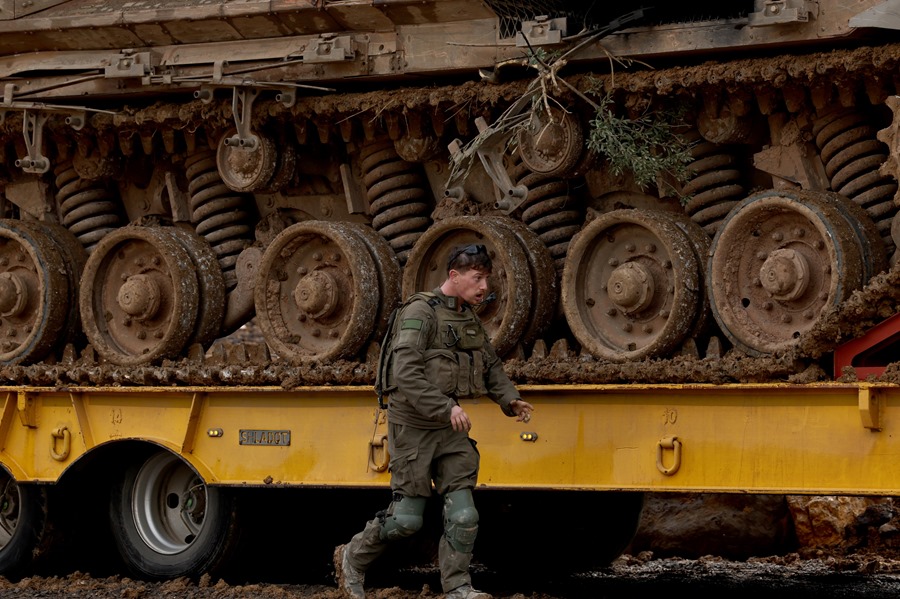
(779, 260)
(139, 296)
(318, 292)
(505, 318)
(388, 271)
(631, 285)
(35, 292)
(211, 287)
(167, 522)
(23, 518)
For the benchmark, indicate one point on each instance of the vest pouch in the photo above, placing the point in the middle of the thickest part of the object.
(478, 387)
(442, 369)
(471, 336)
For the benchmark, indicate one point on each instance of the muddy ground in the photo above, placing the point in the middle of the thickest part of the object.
(868, 576)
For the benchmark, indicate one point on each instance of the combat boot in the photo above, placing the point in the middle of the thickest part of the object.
(466, 592)
(349, 579)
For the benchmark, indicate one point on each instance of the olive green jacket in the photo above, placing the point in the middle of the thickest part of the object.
(426, 377)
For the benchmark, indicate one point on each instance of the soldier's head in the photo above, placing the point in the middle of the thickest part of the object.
(468, 270)
(466, 257)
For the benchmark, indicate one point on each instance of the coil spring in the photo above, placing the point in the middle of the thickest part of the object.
(398, 198)
(88, 209)
(852, 156)
(715, 186)
(548, 210)
(219, 215)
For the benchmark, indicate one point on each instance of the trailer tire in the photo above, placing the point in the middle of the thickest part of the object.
(23, 520)
(168, 523)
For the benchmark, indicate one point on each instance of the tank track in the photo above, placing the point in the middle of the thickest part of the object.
(803, 87)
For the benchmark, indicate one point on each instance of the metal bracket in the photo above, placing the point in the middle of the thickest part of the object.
(492, 143)
(870, 408)
(242, 110)
(33, 130)
(329, 48)
(543, 31)
(128, 65)
(778, 12)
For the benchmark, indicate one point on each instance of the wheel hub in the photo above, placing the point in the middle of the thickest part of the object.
(13, 295)
(316, 294)
(630, 287)
(139, 297)
(785, 274)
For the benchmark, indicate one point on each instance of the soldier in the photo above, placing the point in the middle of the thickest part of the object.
(437, 353)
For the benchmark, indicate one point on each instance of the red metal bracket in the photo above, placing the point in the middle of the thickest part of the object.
(865, 354)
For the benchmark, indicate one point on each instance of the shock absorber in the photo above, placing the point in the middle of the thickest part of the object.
(88, 208)
(399, 200)
(549, 210)
(715, 186)
(852, 156)
(219, 215)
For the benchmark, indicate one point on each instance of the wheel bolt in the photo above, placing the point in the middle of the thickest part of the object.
(335, 257)
(613, 262)
(767, 305)
(786, 318)
(20, 257)
(647, 328)
(139, 262)
(11, 333)
(141, 335)
(158, 334)
(777, 236)
(302, 271)
(667, 264)
(798, 232)
(664, 313)
(611, 311)
(650, 248)
(317, 256)
(4, 261)
(757, 282)
(157, 260)
(126, 322)
(629, 247)
(808, 315)
(301, 317)
(627, 327)
(762, 255)
(819, 244)
(316, 333)
(333, 334)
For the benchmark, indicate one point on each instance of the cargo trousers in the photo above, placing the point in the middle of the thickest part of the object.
(419, 458)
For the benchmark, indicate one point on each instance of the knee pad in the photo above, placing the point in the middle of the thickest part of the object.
(460, 520)
(404, 518)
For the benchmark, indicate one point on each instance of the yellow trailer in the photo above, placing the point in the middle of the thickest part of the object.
(182, 449)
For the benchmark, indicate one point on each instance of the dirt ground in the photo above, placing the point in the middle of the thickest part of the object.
(857, 576)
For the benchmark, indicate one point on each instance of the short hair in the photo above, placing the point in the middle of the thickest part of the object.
(466, 257)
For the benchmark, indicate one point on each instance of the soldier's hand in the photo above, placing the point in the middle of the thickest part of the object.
(460, 420)
(522, 409)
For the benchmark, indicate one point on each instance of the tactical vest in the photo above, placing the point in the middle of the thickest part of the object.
(455, 360)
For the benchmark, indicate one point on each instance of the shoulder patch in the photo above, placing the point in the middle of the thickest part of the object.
(411, 323)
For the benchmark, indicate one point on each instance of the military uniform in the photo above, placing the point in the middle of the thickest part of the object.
(438, 354)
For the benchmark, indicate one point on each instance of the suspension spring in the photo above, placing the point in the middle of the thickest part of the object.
(715, 185)
(852, 156)
(549, 210)
(219, 215)
(399, 200)
(88, 209)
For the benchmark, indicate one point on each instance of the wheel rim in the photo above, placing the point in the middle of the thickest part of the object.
(630, 286)
(317, 293)
(139, 296)
(505, 318)
(543, 278)
(779, 259)
(388, 271)
(211, 285)
(35, 293)
(10, 503)
(169, 503)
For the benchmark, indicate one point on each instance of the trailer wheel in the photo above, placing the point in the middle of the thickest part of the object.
(168, 523)
(23, 517)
